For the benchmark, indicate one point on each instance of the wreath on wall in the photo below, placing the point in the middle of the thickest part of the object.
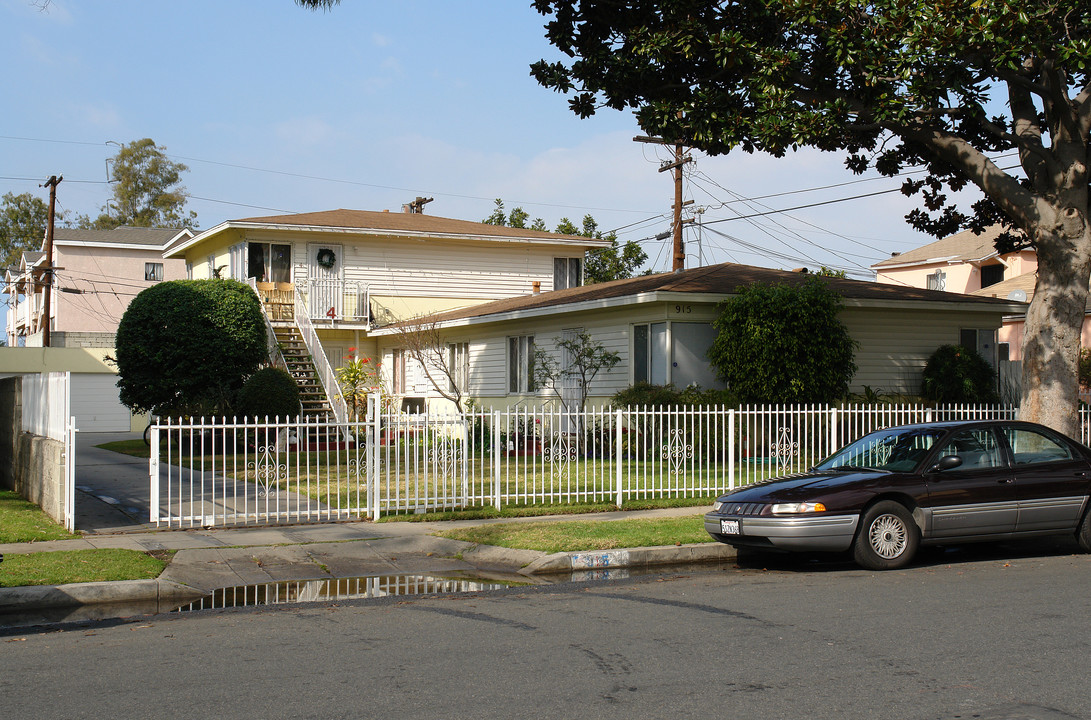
(326, 258)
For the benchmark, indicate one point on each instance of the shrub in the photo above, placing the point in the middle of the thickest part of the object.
(270, 392)
(186, 346)
(644, 393)
(955, 374)
(784, 344)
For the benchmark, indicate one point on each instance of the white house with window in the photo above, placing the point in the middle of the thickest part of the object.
(661, 327)
(349, 272)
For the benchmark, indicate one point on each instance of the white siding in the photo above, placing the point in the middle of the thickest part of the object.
(895, 344)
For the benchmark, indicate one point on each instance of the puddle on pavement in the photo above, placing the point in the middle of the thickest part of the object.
(325, 590)
(335, 589)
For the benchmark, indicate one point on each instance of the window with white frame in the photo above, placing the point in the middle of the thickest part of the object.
(567, 272)
(520, 364)
(674, 353)
(937, 280)
(153, 272)
(397, 371)
(458, 363)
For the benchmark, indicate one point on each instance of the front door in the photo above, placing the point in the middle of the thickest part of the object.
(978, 497)
(325, 294)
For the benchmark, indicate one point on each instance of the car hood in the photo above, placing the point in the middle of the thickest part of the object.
(800, 485)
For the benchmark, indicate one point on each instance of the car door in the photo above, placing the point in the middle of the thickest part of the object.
(979, 496)
(1051, 479)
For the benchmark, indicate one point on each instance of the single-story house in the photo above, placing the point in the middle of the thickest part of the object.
(661, 327)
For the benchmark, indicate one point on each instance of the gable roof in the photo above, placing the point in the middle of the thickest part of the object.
(121, 237)
(714, 283)
(960, 247)
(412, 225)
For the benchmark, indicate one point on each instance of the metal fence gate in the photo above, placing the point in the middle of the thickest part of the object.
(221, 472)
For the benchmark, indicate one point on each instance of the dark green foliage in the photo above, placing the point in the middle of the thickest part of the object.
(955, 374)
(270, 392)
(185, 347)
(645, 394)
(784, 344)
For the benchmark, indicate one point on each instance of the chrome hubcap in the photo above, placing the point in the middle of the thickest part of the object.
(888, 536)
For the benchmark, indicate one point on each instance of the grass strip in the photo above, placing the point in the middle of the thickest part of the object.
(23, 521)
(79, 566)
(519, 511)
(576, 535)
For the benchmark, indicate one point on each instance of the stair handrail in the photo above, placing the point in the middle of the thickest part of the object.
(276, 355)
(318, 356)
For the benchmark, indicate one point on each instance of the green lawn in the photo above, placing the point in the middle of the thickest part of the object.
(23, 521)
(78, 566)
(577, 535)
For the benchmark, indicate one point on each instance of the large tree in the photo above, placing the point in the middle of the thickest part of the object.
(952, 85)
(23, 219)
(147, 190)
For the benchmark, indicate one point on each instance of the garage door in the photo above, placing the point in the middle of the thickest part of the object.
(95, 404)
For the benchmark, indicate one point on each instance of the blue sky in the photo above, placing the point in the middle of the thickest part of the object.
(279, 109)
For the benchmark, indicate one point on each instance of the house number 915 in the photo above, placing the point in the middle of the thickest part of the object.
(683, 309)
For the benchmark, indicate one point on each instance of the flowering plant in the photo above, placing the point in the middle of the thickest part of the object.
(358, 377)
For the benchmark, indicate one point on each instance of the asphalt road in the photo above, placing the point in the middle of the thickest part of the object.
(990, 634)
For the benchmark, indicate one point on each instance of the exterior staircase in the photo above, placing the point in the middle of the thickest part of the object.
(301, 367)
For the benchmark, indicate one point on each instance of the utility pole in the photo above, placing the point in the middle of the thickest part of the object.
(680, 158)
(51, 183)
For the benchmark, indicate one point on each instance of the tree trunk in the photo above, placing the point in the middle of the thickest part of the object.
(1051, 339)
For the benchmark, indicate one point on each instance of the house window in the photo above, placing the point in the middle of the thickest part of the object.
(267, 262)
(153, 272)
(567, 273)
(675, 353)
(189, 271)
(397, 372)
(650, 353)
(991, 274)
(520, 364)
(937, 280)
(458, 364)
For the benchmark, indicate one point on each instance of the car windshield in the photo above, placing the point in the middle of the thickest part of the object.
(897, 450)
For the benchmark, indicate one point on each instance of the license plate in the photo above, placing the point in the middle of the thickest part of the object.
(729, 527)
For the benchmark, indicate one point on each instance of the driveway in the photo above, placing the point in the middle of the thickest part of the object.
(111, 489)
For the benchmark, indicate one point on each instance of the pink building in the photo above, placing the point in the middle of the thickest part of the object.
(96, 274)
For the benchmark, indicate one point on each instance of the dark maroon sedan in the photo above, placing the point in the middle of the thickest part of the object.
(895, 489)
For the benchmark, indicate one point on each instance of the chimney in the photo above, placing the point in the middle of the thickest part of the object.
(535, 287)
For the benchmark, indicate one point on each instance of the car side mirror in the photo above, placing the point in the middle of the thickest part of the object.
(948, 462)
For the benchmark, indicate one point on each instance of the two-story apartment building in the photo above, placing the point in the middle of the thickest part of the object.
(329, 278)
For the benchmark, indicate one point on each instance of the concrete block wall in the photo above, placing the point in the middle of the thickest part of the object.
(71, 339)
(31, 465)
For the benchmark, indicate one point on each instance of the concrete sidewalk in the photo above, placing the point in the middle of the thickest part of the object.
(208, 560)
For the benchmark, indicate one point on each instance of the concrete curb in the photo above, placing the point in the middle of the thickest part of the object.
(29, 597)
(630, 558)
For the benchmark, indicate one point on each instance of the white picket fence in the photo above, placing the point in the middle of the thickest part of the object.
(228, 472)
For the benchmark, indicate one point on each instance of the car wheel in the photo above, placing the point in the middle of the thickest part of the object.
(1083, 532)
(887, 538)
